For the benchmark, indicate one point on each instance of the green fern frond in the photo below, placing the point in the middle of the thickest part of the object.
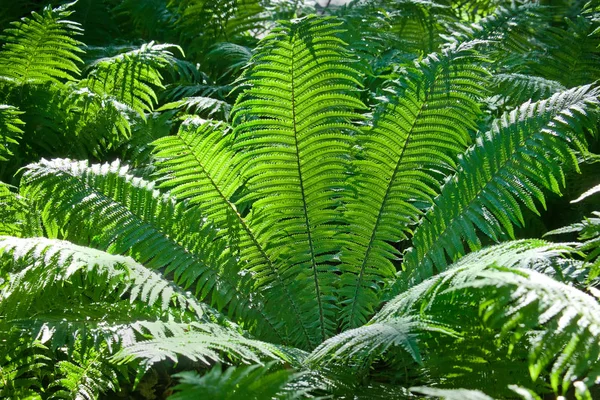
(222, 20)
(254, 382)
(531, 254)
(51, 262)
(559, 322)
(521, 155)
(126, 215)
(359, 347)
(198, 165)
(207, 344)
(515, 89)
(132, 77)
(294, 127)
(18, 217)
(21, 366)
(10, 131)
(413, 136)
(202, 106)
(85, 376)
(512, 29)
(570, 55)
(41, 48)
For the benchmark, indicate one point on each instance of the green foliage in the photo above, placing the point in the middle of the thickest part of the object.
(41, 48)
(9, 129)
(353, 215)
(248, 382)
(524, 151)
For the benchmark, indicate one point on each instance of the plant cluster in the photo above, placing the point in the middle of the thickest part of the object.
(296, 199)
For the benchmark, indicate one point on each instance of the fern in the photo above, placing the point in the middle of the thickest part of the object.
(204, 344)
(21, 366)
(515, 89)
(130, 77)
(248, 382)
(10, 131)
(41, 48)
(421, 129)
(491, 183)
(84, 377)
(516, 300)
(278, 125)
(77, 192)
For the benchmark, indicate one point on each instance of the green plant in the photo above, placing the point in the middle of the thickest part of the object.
(354, 219)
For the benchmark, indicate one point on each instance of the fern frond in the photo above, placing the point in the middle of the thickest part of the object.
(51, 262)
(521, 155)
(293, 128)
(559, 321)
(132, 77)
(126, 215)
(41, 48)
(202, 106)
(10, 131)
(414, 136)
(512, 29)
(222, 20)
(359, 347)
(85, 376)
(18, 217)
(198, 165)
(570, 55)
(516, 89)
(207, 344)
(530, 254)
(21, 366)
(250, 382)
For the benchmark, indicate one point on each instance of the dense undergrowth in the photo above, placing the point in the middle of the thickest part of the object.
(264, 199)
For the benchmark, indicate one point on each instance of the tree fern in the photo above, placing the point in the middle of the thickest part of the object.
(41, 48)
(509, 164)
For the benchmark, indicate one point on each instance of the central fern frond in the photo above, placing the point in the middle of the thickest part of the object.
(293, 128)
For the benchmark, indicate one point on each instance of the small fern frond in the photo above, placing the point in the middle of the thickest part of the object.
(413, 137)
(512, 29)
(21, 366)
(132, 77)
(10, 130)
(510, 164)
(41, 48)
(207, 107)
(85, 376)
(249, 382)
(293, 127)
(18, 217)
